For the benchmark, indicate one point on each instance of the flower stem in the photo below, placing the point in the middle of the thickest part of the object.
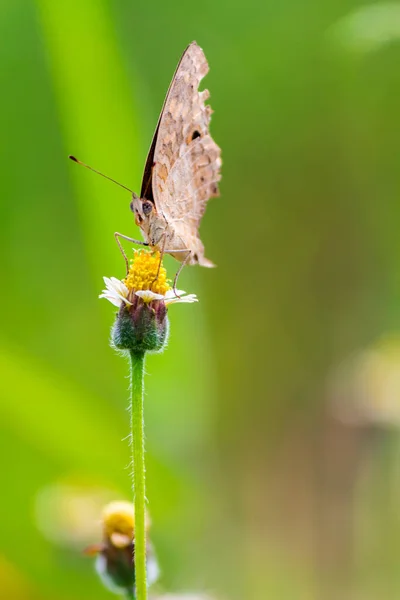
(139, 484)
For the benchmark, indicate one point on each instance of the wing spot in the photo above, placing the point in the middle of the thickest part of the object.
(196, 134)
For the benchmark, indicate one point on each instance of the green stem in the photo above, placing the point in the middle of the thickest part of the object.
(139, 484)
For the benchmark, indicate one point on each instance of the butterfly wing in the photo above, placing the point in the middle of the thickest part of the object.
(184, 161)
(146, 191)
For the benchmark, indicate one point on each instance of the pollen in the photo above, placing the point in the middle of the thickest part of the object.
(143, 273)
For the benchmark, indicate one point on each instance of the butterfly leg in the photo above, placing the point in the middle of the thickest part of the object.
(179, 271)
(124, 237)
(162, 252)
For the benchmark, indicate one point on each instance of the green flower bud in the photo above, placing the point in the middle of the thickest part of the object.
(141, 327)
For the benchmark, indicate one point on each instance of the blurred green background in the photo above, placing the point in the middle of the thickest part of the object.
(272, 419)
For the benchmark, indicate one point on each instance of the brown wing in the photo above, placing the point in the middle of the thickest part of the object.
(146, 191)
(186, 159)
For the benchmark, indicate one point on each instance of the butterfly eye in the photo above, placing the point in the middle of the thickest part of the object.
(131, 206)
(147, 207)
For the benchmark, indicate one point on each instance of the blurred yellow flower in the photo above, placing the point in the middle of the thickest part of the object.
(118, 520)
(115, 554)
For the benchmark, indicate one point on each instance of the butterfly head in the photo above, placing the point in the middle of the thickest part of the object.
(142, 209)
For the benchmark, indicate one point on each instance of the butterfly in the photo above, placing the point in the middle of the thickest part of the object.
(182, 169)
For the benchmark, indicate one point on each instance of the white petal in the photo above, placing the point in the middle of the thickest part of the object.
(188, 298)
(121, 288)
(171, 294)
(108, 283)
(148, 295)
(114, 284)
(126, 301)
(118, 286)
(121, 297)
(113, 299)
(116, 291)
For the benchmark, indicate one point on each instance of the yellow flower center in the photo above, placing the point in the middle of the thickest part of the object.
(143, 273)
(119, 517)
(118, 520)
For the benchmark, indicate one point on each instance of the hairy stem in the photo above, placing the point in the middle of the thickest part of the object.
(139, 483)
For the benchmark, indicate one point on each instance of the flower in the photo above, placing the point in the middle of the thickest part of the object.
(365, 387)
(118, 293)
(115, 554)
(142, 298)
(118, 523)
(142, 281)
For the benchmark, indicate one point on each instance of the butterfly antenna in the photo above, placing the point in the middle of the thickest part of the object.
(98, 173)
